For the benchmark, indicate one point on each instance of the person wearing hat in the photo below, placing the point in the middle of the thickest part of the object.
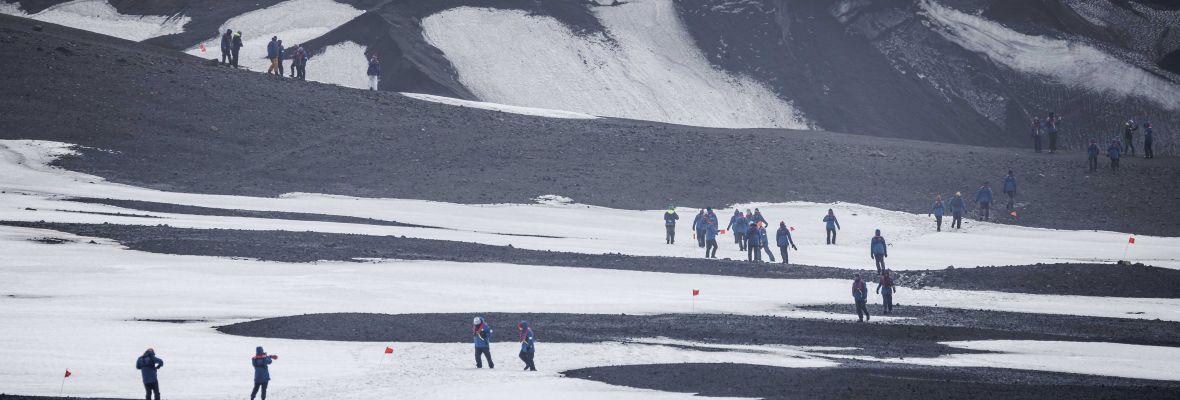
(710, 238)
(227, 42)
(261, 362)
(481, 336)
(374, 72)
(1010, 188)
(147, 364)
(1092, 153)
(938, 209)
(887, 294)
(753, 243)
(784, 240)
(1114, 151)
(860, 295)
(759, 218)
(1148, 138)
(957, 208)
(698, 228)
(1129, 129)
(528, 346)
(738, 224)
(670, 219)
(878, 250)
(983, 196)
(832, 224)
(235, 48)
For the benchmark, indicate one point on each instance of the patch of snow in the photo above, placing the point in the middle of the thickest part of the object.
(553, 199)
(341, 64)
(100, 16)
(644, 66)
(540, 112)
(1068, 63)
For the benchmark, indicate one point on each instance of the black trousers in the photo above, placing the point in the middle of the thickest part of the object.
(1037, 143)
(957, 220)
(1093, 163)
(302, 75)
(711, 248)
(280, 67)
(753, 252)
(1147, 149)
(487, 352)
(741, 240)
(887, 300)
(1129, 145)
(670, 234)
(880, 258)
(986, 210)
(783, 250)
(862, 312)
(234, 60)
(1011, 199)
(225, 56)
(1052, 142)
(831, 237)
(700, 238)
(527, 357)
(258, 385)
(151, 388)
(938, 222)
(1114, 164)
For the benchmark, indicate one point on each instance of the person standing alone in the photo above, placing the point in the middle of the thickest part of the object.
(1092, 153)
(1036, 133)
(147, 364)
(528, 346)
(710, 238)
(784, 240)
(958, 206)
(885, 289)
(261, 361)
(1129, 129)
(374, 72)
(878, 250)
(1114, 151)
(831, 226)
(1010, 189)
(938, 209)
(227, 43)
(670, 219)
(698, 228)
(481, 336)
(983, 196)
(236, 48)
(1148, 139)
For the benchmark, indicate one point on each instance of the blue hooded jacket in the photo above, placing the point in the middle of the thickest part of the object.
(738, 223)
(147, 364)
(783, 237)
(1093, 150)
(527, 342)
(710, 230)
(698, 223)
(860, 291)
(1115, 150)
(374, 67)
(831, 220)
(272, 48)
(984, 195)
(260, 361)
(1148, 134)
(1009, 183)
(763, 237)
(482, 335)
(753, 236)
(937, 208)
(759, 218)
(877, 245)
(957, 205)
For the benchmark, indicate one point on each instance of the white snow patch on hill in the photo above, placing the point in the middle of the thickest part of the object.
(540, 112)
(1068, 63)
(100, 17)
(293, 21)
(341, 64)
(646, 66)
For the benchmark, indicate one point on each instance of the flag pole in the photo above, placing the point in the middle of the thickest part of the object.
(62, 390)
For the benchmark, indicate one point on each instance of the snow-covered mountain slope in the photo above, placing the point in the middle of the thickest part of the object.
(99, 16)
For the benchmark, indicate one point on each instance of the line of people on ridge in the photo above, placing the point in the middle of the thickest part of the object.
(984, 197)
(481, 334)
(231, 46)
(1114, 149)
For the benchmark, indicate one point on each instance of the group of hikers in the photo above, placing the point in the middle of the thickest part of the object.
(481, 335)
(1114, 150)
(276, 53)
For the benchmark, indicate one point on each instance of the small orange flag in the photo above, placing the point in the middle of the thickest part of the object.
(68, 373)
(202, 47)
(722, 232)
(1013, 214)
(388, 350)
(696, 292)
(1131, 240)
(792, 229)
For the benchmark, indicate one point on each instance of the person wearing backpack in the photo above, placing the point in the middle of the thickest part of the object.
(878, 250)
(886, 294)
(528, 346)
(738, 224)
(148, 364)
(481, 336)
(832, 224)
(958, 206)
(272, 54)
(784, 240)
(261, 362)
(1010, 189)
(670, 219)
(938, 208)
(860, 295)
(983, 196)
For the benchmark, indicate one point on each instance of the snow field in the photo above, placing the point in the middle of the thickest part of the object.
(100, 16)
(644, 66)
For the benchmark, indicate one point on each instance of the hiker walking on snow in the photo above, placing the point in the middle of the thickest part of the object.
(784, 240)
(878, 251)
(710, 238)
(958, 206)
(983, 196)
(1010, 189)
(1114, 151)
(1051, 127)
(1129, 129)
(235, 48)
(886, 283)
(272, 54)
(670, 219)
(753, 243)
(1092, 153)
(481, 336)
(832, 226)
(528, 346)
(1036, 133)
(1148, 138)
(698, 228)
(261, 372)
(374, 72)
(147, 364)
(938, 208)
(860, 294)
(227, 42)
(765, 240)
(738, 225)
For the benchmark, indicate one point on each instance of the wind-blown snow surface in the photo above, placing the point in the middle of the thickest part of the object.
(1069, 63)
(100, 17)
(293, 22)
(29, 183)
(644, 66)
(540, 112)
(341, 64)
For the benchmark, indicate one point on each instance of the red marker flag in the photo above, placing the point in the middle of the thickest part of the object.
(1013, 214)
(1131, 240)
(792, 229)
(202, 47)
(388, 350)
(68, 373)
(696, 292)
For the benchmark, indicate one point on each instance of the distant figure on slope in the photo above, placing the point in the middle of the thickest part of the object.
(528, 346)
(1010, 189)
(753, 243)
(261, 372)
(878, 251)
(738, 225)
(1036, 133)
(983, 196)
(958, 206)
(1051, 126)
(938, 209)
(374, 72)
(236, 48)
(887, 294)
(832, 226)
(784, 240)
(670, 219)
(1114, 151)
(710, 238)
(765, 240)
(1129, 129)
(481, 335)
(147, 364)
(272, 54)
(1092, 153)
(1148, 138)
(860, 294)
(227, 44)
(282, 56)
(698, 228)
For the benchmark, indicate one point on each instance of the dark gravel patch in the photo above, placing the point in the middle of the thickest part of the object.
(308, 137)
(18, 397)
(862, 380)
(1114, 280)
(223, 212)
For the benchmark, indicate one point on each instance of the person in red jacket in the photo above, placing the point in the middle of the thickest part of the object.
(860, 294)
(886, 283)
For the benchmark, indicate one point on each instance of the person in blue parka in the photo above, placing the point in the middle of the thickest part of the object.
(1010, 189)
(1114, 151)
(272, 54)
(783, 239)
(878, 250)
(958, 207)
(758, 218)
(983, 196)
(938, 209)
(860, 295)
(710, 238)
(698, 228)
(738, 225)
(1092, 153)
(481, 336)
(147, 364)
(374, 72)
(528, 345)
(832, 224)
(885, 289)
(227, 42)
(753, 243)
(765, 237)
(670, 219)
(261, 361)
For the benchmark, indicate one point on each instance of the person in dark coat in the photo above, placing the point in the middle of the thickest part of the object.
(753, 243)
(227, 43)
(886, 283)
(860, 295)
(1092, 153)
(1148, 139)
(983, 196)
(481, 336)
(783, 239)
(958, 206)
(1051, 127)
(1010, 188)
(831, 225)
(282, 55)
(374, 72)
(147, 364)
(738, 225)
(698, 228)
(878, 250)
(1129, 129)
(1114, 151)
(710, 238)
(758, 218)
(261, 361)
(528, 346)
(937, 209)
(299, 63)
(765, 237)
(272, 54)
(1037, 130)
(670, 219)
(235, 48)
